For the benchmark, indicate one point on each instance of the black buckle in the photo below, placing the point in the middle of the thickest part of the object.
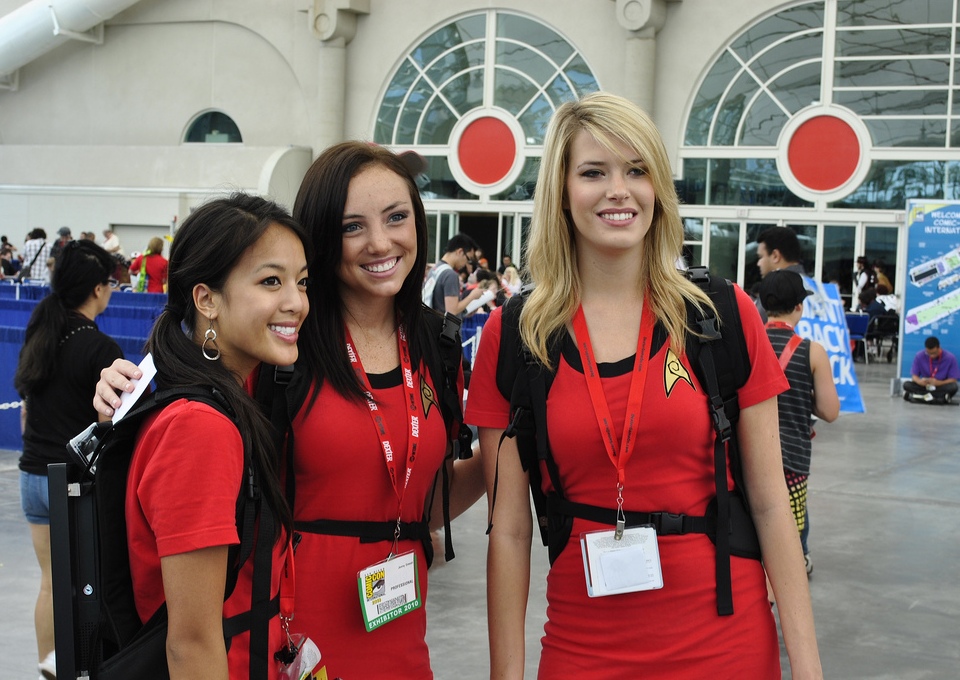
(670, 524)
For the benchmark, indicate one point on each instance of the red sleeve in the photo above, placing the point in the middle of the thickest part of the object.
(187, 470)
(135, 265)
(766, 378)
(486, 407)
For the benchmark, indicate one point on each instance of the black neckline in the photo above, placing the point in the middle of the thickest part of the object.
(384, 381)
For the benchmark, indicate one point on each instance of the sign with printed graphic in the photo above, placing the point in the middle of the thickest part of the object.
(824, 321)
(931, 297)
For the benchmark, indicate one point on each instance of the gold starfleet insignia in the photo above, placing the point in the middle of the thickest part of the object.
(428, 396)
(673, 371)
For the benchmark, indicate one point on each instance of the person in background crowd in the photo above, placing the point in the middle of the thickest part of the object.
(880, 269)
(777, 248)
(869, 304)
(505, 261)
(511, 281)
(88, 235)
(606, 231)
(933, 375)
(441, 289)
(60, 362)
(865, 277)
(35, 253)
(812, 390)
(890, 302)
(150, 268)
(64, 237)
(111, 243)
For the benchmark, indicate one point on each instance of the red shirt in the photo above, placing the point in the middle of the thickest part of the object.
(156, 271)
(182, 491)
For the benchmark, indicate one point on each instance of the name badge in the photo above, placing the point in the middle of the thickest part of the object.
(627, 565)
(389, 589)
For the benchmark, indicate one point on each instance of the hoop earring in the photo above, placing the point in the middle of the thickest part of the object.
(211, 337)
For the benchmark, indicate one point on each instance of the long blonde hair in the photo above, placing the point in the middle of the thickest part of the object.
(551, 250)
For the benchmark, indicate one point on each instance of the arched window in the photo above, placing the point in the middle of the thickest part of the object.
(474, 99)
(847, 104)
(213, 127)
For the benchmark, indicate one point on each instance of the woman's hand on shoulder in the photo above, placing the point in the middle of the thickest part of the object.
(114, 380)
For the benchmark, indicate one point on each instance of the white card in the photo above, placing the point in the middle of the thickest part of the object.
(389, 589)
(627, 565)
(128, 399)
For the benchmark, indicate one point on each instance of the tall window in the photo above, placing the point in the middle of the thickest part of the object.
(474, 99)
(873, 84)
(213, 127)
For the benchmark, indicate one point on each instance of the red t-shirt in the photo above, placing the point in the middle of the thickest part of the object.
(341, 475)
(182, 491)
(673, 632)
(156, 271)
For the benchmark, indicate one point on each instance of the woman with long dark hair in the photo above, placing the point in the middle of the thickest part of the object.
(368, 436)
(60, 362)
(237, 297)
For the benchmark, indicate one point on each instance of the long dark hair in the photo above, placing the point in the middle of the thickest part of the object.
(205, 250)
(81, 267)
(319, 207)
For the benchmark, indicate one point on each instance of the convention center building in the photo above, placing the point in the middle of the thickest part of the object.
(821, 115)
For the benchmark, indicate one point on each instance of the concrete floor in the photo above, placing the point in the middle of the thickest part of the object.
(884, 506)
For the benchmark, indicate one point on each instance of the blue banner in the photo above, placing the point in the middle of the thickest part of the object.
(825, 321)
(931, 300)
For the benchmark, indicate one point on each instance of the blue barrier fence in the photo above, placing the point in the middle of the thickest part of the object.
(127, 320)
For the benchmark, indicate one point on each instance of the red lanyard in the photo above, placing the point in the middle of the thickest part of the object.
(933, 371)
(380, 423)
(619, 455)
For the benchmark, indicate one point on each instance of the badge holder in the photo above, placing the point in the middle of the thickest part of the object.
(622, 560)
(389, 589)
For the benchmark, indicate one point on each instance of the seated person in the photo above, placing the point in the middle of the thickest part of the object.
(890, 301)
(933, 376)
(869, 304)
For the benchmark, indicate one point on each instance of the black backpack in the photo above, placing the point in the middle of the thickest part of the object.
(721, 364)
(96, 626)
(282, 391)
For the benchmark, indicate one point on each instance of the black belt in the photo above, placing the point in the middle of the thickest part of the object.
(367, 532)
(665, 523)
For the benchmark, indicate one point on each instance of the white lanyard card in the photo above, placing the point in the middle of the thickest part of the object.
(627, 565)
(389, 589)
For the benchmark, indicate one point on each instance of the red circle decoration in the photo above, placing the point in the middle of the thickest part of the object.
(487, 150)
(823, 153)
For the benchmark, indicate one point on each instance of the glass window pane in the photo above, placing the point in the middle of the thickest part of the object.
(526, 61)
(410, 116)
(559, 91)
(692, 187)
(523, 186)
(724, 134)
(390, 106)
(787, 22)
(900, 73)
(465, 92)
(881, 12)
(533, 33)
(925, 133)
(955, 129)
(784, 55)
(724, 249)
(214, 127)
(454, 62)
(807, 236)
(881, 246)
(446, 37)
(433, 239)
(581, 76)
(797, 87)
(692, 254)
(951, 182)
(904, 41)
(535, 119)
(749, 181)
(513, 91)
(763, 123)
(890, 183)
(838, 258)
(441, 182)
(438, 121)
(692, 229)
(708, 97)
(895, 102)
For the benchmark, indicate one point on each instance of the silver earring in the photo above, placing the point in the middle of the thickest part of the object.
(211, 337)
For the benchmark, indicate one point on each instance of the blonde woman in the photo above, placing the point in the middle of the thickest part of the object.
(605, 236)
(511, 280)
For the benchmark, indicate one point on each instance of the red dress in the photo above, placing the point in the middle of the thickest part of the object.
(181, 497)
(673, 632)
(341, 475)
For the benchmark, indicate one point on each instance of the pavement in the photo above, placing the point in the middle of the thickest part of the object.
(884, 509)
